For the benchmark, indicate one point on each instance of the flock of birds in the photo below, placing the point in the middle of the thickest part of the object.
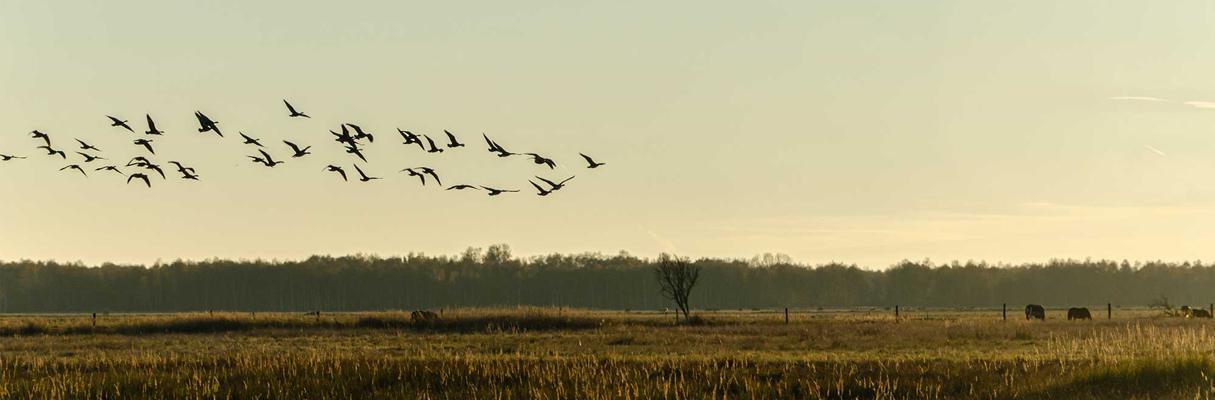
(351, 137)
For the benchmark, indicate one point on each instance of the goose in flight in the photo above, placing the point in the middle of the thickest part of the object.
(146, 143)
(363, 176)
(266, 159)
(75, 167)
(152, 127)
(53, 152)
(540, 160)
(451, 140)
(139, 161)
(494, 147)
(188, 175)
(421, 173)
(114, 121)
(495, 192)
(86, 146)
(410, 138)
(156, 168)
(359, 134)
(555, 185)
(463, 187)
(6, 157)
(539, 190)
(344, 137)
(591, 162)
(353, 149)
(110, 168)
(39, 135)
(339, 170)
(412, 172)
(298, 151)
(145, 179)
(433, 148)
(249, 140)
(90, 158)
(293, 112)
(206, 124)
(182, 168)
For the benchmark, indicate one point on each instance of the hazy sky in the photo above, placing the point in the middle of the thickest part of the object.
(853, 131)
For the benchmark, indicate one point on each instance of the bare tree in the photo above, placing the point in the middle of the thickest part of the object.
(677, 277)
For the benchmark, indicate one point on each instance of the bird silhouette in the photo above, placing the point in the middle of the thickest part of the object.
(411, 138)
(156, 168)
(495, 192)
(182, 168)
(90, 158)
(75, 167)
(539, 159)
(555, 185)
(152, 127)
(494, 147)
(591, 162)
(462, 187)
(266, 159)
(298, 151)
(188, 175)
(359, 134)
(110, 168)
(86, 146)
(433, 148)
(344, 137)
(39, 135)
(119, 123)
(451, 140)
(413, 172)
(353, 149)
(139, 161)
(339, 170)
(6, 157)
(145, 179)
(421, 173)
(53, 152)
(363, 176)
(249, 140)
(293, 112)
(206, 124)
(539, 190)
(146, 143)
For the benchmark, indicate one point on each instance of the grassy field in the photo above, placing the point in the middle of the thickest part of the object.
(550, 353)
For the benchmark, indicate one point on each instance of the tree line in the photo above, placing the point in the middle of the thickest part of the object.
(493, 277)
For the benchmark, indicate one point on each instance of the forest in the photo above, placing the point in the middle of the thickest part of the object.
(493, 277)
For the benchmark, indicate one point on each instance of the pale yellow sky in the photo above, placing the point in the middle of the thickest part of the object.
(858, 131)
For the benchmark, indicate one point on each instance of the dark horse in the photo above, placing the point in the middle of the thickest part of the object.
(1078, 313)
(1033, 311)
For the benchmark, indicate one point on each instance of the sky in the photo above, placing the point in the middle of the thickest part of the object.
(863, 132)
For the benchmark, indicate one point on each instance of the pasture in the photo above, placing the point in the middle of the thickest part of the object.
(580, 354)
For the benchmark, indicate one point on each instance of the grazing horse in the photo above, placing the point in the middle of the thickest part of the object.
(423, 317)
(1035, 311)
(1199, 313)
(1078, 313)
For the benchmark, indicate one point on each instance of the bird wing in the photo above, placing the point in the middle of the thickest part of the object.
(537, 187)
(290, 108)
(266, 155)
(343, 172)
(566, 180)
(356, 168)
(151, 124)
(293, 146)
(547, 181)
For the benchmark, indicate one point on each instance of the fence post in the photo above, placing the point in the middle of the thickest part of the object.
(1109, 310)
(1004, 311)
(896, 312)
(94, 320)
(786, 315)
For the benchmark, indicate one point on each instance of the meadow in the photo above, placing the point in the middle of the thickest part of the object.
(548, 353)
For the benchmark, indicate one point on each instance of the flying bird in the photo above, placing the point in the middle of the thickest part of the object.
(495, 192)
(293, 112)
(39, 135)
(152, 127)
(266, 159)
(207, 124)
(591, 162)
(156, 168)
(53, 152)
(298, 151)
(539, 159)
(344, 137)
(89, 158)
(119, 123)
(410, 138)
(540, 191)
(462, 187)
(494, 147)
(6, 157)
(359, 134)
(364, 176)
(339, 170)
(182, 168)
(188, 175)
(353, 149)
(86, 146)
(139, 161)
(146, 143)
(249, 140)
(433, 148)
(140, 176)
(451, 140)
(412, 172)
(75, 167)
(421, 173)
(110, 168)
(555, 185)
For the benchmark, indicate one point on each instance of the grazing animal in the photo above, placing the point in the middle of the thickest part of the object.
(1035, 311)
(1078, 313)
(1200, 313)
(423, 317)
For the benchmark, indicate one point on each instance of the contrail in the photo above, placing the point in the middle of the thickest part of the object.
(1155, 150)
(1139, 98)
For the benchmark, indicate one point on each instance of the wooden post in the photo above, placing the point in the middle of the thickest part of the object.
(211, 313)
(786, 315)
(94, 320)
(1109, 310)
(1004, 311)
(896, 312)
(318, 316)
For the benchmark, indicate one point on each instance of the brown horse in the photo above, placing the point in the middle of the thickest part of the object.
(1078, 313)
(1035, 311)
(423, 317)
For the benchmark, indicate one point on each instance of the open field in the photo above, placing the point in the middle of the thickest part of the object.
(549, 353)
